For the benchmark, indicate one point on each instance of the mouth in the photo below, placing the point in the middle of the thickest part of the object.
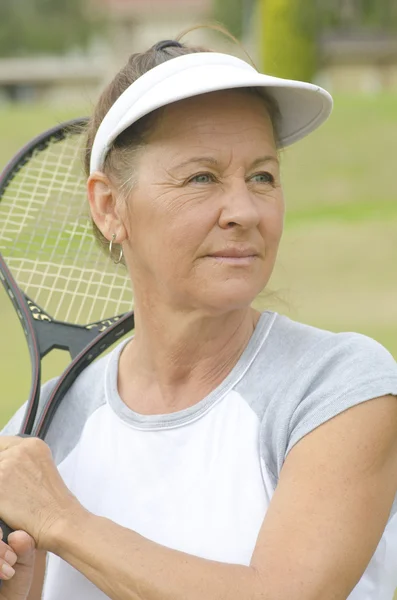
(237, 256)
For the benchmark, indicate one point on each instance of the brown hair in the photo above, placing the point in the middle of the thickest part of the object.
(118, 161)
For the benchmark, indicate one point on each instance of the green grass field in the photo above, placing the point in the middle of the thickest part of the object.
(337, 262)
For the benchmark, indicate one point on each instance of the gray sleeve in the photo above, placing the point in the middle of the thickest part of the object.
(339, 372)
(14, 424)
(358, 369)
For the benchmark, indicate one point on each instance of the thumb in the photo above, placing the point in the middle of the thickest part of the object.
(24, 546)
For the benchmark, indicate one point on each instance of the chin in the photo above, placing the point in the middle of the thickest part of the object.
(229, 297)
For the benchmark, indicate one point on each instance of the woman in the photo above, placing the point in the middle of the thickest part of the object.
(220, 453)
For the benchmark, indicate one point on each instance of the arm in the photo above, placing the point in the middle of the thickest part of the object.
(323, 525)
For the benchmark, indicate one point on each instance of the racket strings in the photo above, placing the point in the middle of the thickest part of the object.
(47, 241)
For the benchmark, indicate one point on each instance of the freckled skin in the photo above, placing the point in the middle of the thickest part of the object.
(174, 222)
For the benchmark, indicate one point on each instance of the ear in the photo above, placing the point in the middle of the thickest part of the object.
(104, 209)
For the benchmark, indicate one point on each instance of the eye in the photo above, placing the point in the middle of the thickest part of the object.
(263, 177)
(202, 178)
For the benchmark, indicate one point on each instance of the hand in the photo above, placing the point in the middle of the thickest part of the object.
(19, 556)
(33, 496)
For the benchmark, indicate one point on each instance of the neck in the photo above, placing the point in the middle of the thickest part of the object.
(176, 359)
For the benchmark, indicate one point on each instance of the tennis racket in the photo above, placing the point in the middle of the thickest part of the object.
(67, 294)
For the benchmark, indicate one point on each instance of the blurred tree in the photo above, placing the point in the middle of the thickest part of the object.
(44, 26)
(288, 38)
(231, 14)
(290, 29)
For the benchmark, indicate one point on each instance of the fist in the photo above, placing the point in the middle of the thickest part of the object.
(33, 496)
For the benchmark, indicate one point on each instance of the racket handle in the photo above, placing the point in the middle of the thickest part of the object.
(6, 531)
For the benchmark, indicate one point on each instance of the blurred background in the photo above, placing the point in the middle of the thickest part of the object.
(337, 264)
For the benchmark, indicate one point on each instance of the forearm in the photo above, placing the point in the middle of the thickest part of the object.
(126, 566)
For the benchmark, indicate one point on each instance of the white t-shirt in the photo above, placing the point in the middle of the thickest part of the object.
(200, 480)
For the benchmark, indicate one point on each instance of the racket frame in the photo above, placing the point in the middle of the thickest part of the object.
(18, 299)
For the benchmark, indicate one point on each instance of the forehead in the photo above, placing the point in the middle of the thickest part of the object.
(240, 114)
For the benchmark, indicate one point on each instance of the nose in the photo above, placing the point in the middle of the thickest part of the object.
(239, 208)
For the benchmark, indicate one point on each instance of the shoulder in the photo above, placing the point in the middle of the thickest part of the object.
(84, 397)
(314, 352)
(294, 359)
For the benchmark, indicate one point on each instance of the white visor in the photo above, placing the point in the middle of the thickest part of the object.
(303, 106)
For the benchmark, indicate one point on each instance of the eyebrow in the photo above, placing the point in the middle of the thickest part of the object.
(210, 160)
(264, 159)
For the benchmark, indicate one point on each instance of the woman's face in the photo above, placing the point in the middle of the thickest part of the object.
(204, 220)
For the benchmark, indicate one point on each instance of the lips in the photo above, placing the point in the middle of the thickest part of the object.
(246, 252)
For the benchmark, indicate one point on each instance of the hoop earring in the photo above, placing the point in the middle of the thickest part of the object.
(116, 262)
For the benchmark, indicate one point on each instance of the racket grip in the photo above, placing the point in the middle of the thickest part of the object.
(6, 531)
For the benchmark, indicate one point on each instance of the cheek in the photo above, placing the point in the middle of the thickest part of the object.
(168, 233)
(183, 238)
(272, 224)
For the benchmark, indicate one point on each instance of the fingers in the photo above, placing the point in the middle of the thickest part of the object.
(8, 558)
(20, 549)
(28, 444)
(7, 441)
